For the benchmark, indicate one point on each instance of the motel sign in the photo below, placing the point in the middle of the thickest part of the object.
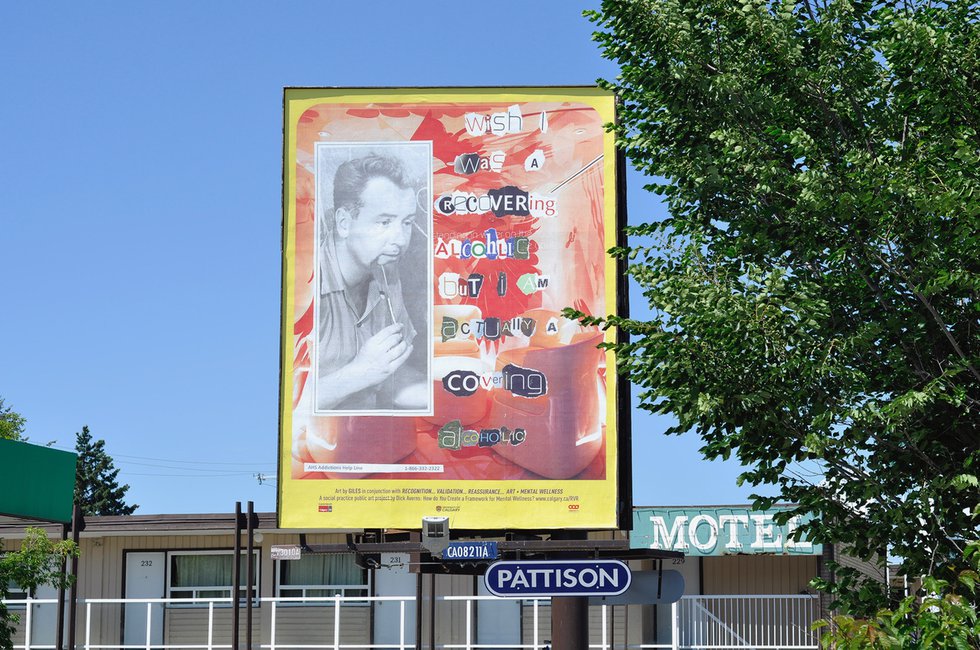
(720, 530)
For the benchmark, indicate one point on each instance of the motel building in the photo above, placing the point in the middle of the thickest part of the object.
(165, 581)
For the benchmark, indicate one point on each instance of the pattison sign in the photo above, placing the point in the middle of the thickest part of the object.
(524, 579)
(718, 531)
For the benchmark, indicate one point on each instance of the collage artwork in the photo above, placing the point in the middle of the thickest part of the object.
(443, 232)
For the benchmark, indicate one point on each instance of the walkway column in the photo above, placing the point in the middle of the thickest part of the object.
(570, 623)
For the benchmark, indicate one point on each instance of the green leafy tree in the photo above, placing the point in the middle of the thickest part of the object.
(97, 488)
(38, 561)
(814, 288)
(11, 423)
(943, 618)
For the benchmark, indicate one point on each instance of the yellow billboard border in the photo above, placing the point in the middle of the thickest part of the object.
(295, 102)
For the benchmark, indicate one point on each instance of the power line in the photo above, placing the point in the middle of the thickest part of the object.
(229, 475)
(206, 466)
(197, 472)
(166, 460)
(172, 460)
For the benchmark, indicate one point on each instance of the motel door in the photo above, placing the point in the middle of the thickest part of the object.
(44, 621)
(145, 578)
(499, 620)
(394, 580)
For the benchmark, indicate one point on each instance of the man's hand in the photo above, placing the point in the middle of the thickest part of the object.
(382, 354)
(377, 360)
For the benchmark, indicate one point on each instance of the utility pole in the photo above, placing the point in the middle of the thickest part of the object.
(570, 614)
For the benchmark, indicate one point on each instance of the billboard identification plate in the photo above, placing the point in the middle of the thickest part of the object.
(518, 579)
(286, 552)
(467, 551)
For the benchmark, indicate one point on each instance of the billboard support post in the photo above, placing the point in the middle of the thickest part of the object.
(625, 414)
(570, 622)
(570, 614)
(418, 609)
(432, 613)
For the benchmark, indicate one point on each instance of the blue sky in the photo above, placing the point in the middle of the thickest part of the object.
(140, 217)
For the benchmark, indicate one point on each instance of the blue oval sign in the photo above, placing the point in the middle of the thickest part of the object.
(468, 551)
(557, 578)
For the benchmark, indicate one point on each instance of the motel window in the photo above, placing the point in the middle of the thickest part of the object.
(319, 576)
(15, 593)
(208, 574)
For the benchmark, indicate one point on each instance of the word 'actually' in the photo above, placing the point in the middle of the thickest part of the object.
(489, 328)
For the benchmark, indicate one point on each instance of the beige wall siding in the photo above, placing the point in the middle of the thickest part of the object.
(295, 625)
(450, 616)
(101, 571)
(616, 619)
(314, 625)
(102, 575)
(189, 625)
(544, 621)
(873, 569)
(20, 628)
(757, 574)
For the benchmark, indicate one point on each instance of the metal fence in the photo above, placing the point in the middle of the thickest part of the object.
(343, 623)
(26, 610)
(717, 622)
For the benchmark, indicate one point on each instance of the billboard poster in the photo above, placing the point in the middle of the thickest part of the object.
(431, 238)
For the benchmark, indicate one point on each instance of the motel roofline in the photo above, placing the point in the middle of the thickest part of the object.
(223, 523)
(137, 525)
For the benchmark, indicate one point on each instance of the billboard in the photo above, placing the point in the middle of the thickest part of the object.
(431, 238)
(719, 530)
(50, 499)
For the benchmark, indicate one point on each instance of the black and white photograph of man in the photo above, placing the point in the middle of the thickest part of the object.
(373, 263)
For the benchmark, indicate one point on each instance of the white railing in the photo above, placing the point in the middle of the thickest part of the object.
(759, 622)
(469, 644)
(696, 623)
(27, 619)
(149, 641)
(338, 602)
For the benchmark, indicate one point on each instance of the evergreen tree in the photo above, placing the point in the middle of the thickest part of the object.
(96, 489)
